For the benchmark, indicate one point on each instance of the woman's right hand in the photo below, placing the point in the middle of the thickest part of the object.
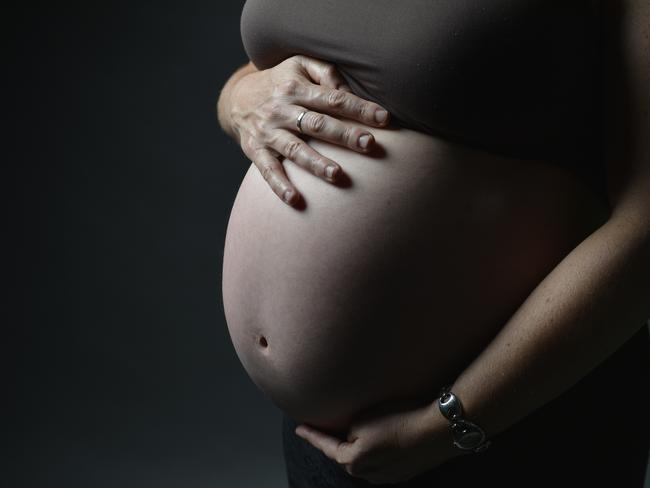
(265, 106)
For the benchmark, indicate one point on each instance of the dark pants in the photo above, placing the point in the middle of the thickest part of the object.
(597, 433)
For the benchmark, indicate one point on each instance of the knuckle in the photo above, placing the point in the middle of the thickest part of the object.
(363, 109)
(288, 87)
(253, 144)
(267, 172)
(317, 166)
(298, 58)
(316, 121)
(292, 148)
(273, 139)
(348, 136)
(329, 70)
(272, 110)
(336, 98)
(259, 132)
(254, 130)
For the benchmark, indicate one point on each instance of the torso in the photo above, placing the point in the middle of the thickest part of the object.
(386, 288)
(520, 78)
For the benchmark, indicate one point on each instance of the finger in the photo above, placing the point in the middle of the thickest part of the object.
(339, 102)
(273, 173)
(333, 447)
(321, 72)
(330, 100)
(298, 151)
(325, 127)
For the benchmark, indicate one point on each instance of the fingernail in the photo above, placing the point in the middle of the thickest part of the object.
(287, 195)
(380, 115)
(364, 140)
(329, 171)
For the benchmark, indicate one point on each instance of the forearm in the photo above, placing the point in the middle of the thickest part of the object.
(595, 299)
(223, 103)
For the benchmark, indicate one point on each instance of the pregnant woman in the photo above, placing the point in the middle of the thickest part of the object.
(490, 235)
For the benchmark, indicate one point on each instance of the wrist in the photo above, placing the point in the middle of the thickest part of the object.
(468, 435)
(437, 431)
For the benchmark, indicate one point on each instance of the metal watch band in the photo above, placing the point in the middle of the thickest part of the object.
(463, 430)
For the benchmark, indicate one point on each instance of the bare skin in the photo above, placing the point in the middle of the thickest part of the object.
(381, 287)
(591, 303)
(260, 109)
(353, 347)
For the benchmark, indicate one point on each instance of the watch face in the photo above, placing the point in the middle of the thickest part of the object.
(467, 435)
(470, 439)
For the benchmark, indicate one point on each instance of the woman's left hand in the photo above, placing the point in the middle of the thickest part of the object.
(388, 448)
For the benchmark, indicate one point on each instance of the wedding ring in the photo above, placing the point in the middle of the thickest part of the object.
(300, 120)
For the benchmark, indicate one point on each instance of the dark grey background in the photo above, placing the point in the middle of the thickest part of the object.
(126, 373)
(127, 377)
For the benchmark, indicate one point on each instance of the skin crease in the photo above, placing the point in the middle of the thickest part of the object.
(557, 318)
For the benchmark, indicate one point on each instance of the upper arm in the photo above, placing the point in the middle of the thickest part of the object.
(626, 103)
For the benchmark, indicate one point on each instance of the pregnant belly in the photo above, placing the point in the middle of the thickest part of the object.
(382, 289)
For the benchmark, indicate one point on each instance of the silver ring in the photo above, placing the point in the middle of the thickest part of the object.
(300, 120)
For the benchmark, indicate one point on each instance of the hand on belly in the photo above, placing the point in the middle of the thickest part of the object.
(385, 287)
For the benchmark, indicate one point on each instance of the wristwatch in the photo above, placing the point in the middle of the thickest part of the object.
(467, 435)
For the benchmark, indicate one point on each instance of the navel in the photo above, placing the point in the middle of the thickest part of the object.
(263, 343)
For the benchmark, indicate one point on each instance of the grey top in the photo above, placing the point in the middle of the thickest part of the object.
(517, 78)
